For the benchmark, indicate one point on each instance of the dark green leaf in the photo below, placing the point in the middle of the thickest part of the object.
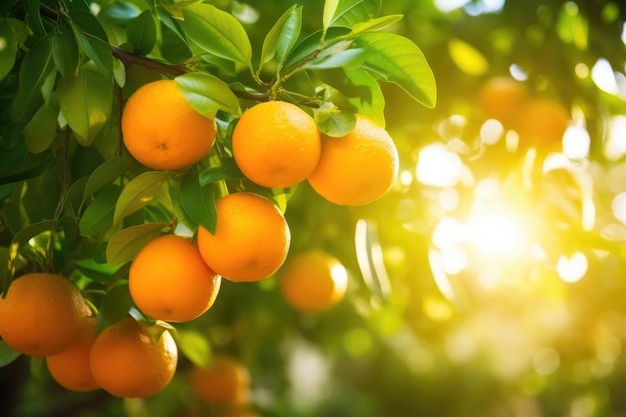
(9, 51)
(227, 171)
(281, 39)
(141, 33)
(218, 33)
(396, 59)
(36, 80)
(335, 123)
(348, 13)
(138, 193)
(42, 128)
(195, 346)
(174, 45)
(181, 215)
(29, 167)
(107, 173)
(34, 17)
(22, 238)
(208, 94)
(75, 193)
(65, 51)
(93, 40)
(197, 201)
(124, 245)
(99, 213)
(115, 305)
(7, 354)
(86, 101)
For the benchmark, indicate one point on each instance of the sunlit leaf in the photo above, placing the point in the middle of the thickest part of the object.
(141, 33)
(98, 215)
(374, 24)
(86, 101)
(349, 59)
(309, 45)
(573, 28)
(335, 123)
(208, 94)
(349, 13)
(37, 67)
(198, 201)
(40, 131)
(467, 58)
(22, 238)
(394, 58)
(138, 193)
(218, 33)
(9, 51)
(195, 346)
(283, 36)
(124, 245)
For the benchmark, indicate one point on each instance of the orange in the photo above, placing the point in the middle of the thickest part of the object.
(541, 123)
(276, 144)
(41, 314)
(251, 238)
(170, 281)
(225, 381)
(131, 360)
(70, 368)
(161, 129)
(357, 168)
(313, 281)
(501, 98)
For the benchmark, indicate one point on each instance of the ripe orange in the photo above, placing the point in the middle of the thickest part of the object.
(276, 144)
(128, 359)
(313, 281)
(161, 129)
(357, 168)
(541, 123)
(41, 314)
(70, 368)
(170, 281)
(501, 98)
(225, 381)
(251, 239)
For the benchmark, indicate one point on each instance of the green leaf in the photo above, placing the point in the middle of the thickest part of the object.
(374, 24)
(195, 346)
(349, 58)
(174, 45)
(9, 51)
(197, 201)
(34, 17)
(40, 131)
(348, 13)
(93, 40)
(34, 85)
(335, 123)
(98, 215)
(138, 193)
(22, 238)
(124, 245)
(75, 194)
(394, 58)
(141, 33)
(228, 170)
(218, 33)
(208, 94)
(283, 36)
(65, 51)
(7, 354)
(311, 43)
(94, 270)
(29, 167)
(115, 305)
(121, 12)
(86, 101)
(107, 173)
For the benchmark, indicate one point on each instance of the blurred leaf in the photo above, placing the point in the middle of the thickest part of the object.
(141, 33)
(283, 36)
(98, 215)
(218, 33)
(41, 130)
(93, 40)
(65, 51)
(86, 101)
(348, 13)
(208, 94)
(228, 170)
(573, 28)
(138, 193)
(467, 58)
(121, 11)
(195, 346)
(36, 69)
(394, 58)
(29, 167)
(9, 51)
(106, 173)
(7, 354)
(124, 245)
(335, 123)
(198, 201)
(115, 305)
(22, 238)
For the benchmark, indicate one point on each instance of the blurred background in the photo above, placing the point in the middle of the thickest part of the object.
(490, 281)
